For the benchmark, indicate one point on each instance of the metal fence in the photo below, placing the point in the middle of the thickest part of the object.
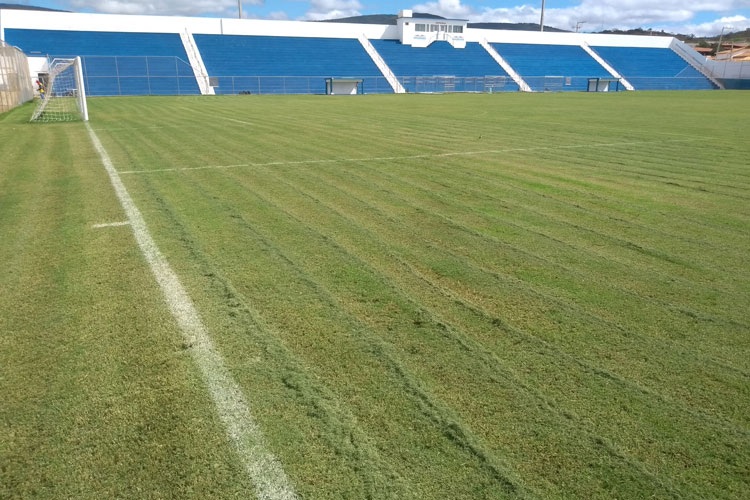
(150, 75)
(733, 74)
(138, 75)
(429, 84)
(670, 83)
(370, 84)
(15, 81)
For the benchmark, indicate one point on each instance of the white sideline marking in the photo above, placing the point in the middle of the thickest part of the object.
(407, 157)
(263, 468)
(111, 224)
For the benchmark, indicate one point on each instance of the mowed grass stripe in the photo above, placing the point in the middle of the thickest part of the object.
(309, 419)
(265, 471)
(614, 190)
(571, 230)
(583, 326)
(525, 264)
(655, 214)
(598, 315)
(465, 326)
(409, 324)
(377, 387)
(91, 406)
(314, 216)
(442, 383)
(521, 225)
(377, 237)
(541, 196)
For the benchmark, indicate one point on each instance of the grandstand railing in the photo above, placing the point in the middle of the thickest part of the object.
(668, 83)
(290, 85)
(370, 84)
(138, 75)
(158, 75)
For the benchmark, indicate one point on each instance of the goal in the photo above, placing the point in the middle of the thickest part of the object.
(62, 93)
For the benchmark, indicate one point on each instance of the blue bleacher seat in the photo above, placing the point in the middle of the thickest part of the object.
(305, 61)
(654, 69)
(535, 61)
(116, 63)
(439, 58)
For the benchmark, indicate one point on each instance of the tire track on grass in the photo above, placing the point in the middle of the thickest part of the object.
(451, 331)
(649, 252)
(478, 167)
(436, 412)
(609, 374)
(491, 239)
(724, 423)
(703, 316)
(519, 284)
(343, 432)
(661, 158)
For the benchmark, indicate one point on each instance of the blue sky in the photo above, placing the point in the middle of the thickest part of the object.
(701, 17)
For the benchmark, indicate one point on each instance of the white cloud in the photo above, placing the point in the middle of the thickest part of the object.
(332, 9)
(278, 15)
(161, 7)
(597, 14)
(732, 23)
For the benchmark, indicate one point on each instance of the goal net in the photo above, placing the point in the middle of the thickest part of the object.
(62, 93)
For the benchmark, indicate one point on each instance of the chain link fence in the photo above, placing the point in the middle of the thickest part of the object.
(151, 75)
(670, 83)
(138, 75)
(15, 81)
(370, 84)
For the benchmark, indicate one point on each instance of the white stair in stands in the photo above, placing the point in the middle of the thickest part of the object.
(196, 62)
(522, 85)
(604, 64)
(381, 64)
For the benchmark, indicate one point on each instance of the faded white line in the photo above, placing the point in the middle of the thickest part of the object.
(264, 470)
(150, 127)
(220, 116)
(236, 120)
(111, 224)
(405, 157)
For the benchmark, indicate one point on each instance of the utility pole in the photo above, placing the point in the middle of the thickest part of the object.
(578, 25)
(541, 21)
(718, 47)
(239, 9)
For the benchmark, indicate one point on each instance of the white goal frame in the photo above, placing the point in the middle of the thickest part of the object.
(55, 90)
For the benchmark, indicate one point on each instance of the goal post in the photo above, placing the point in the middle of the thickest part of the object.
(62, 93)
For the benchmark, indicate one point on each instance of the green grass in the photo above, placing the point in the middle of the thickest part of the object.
(454, 296)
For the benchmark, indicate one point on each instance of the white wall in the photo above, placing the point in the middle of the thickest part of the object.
(546, 37)
(24, 19)
(27, 19)
(729, 69)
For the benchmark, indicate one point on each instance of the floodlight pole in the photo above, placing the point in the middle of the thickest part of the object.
(239, 9)
(541, 21)
(718, 47)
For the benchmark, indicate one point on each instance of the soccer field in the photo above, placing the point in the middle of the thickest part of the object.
(396, 296)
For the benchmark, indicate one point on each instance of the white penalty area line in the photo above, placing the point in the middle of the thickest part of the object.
(405, 157)
(263, 468)
(111, 224)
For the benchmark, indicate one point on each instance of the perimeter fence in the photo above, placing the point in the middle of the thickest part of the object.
(15, 81)
(151, 75)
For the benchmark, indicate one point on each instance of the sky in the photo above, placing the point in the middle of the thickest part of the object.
(698, 17)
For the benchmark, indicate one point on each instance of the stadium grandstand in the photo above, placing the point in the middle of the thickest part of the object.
(145, 55)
